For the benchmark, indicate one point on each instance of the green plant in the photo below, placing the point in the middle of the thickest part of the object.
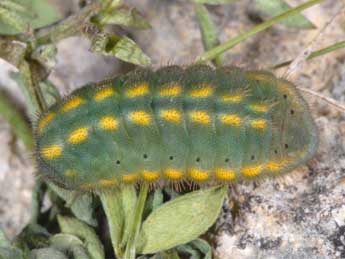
(79, 231)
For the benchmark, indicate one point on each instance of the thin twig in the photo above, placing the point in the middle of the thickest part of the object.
(330, 101)
(306, 52)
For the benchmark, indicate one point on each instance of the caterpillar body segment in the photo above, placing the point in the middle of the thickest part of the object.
(176, 124)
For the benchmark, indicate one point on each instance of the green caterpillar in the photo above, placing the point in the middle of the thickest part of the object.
(175, 124)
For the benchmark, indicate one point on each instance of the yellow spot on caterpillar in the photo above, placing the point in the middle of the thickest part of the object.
(107, 182)
(170, 91)
(252, 171)
(232, 98)
(231, 119)
(77, 136)
(108, 123)
(48, 118)
(104, 93)
(140, 117)
(72, 104)
(173, 174)
(259, 124)
(275, 166)
(201, 92)
(129, 178)
(259, 107)
(51, 152)
(171, 115)
(198, 175)
(70, 173)
(225, 174)
(150, 175)
(87, 186)
(138, 90)
(200, 117)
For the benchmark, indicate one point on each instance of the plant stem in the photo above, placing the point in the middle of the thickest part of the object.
(315, 54)
(110, 202)
(130, 248)
(213, 53)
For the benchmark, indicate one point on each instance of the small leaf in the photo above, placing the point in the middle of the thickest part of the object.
(272, 8)
(84, 232)
(36, 13)
(119, 206)
(13, 19)
(214, 2)
(45, 253)
(3, 239)
(122, 15)
(10, 253)
(178, 218)
(81, 205)
(71, 243)
(154, 200)
(208, 30)
(123, 48)
(198, 249)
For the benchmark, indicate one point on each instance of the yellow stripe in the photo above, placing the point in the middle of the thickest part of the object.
(259, 124)
(170, 91)
(198, 175)
(108, 123)
(140, 117)
(171, 115)
(70, 173)
(104, 93)
(138, 90)
(44, 121)
(173, 174)
(72, 104)
(231, 119)
(51, 152)
(252, 171)
(275, 166)
(129, 178)
(232, 98)
(225, 174)
(259, 107)
(201, 92)
(77, 136)
(108, 182)
(150, 175)
(200, 117)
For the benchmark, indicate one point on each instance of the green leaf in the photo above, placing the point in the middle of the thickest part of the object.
(123, 48)
(208, 30)
(10, 253)
(154, 200)
(32, 236)
(276, 7)
(71, 243)
(198, 249)
(13, 20)
(173, 223)
(21, 128)
(36, 13)
(81, 204)
(45, 253)
(214, 2)
(122, 15)
(85, 233)
(3, 239)
(119, 206)
(216, 51)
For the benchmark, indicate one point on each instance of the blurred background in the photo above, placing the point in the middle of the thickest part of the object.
(298, 216)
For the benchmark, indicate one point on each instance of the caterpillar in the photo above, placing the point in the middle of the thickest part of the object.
(194, 124)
